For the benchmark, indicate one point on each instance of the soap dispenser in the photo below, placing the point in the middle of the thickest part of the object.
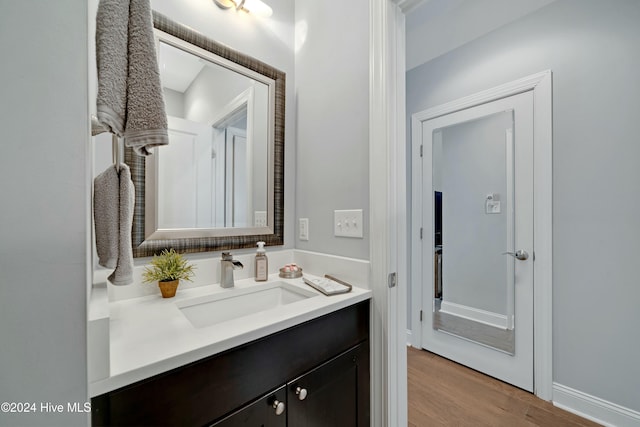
(262, 264)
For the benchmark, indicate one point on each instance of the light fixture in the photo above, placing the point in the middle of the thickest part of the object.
(256, 7)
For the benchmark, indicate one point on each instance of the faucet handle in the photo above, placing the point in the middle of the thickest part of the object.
(226, 256)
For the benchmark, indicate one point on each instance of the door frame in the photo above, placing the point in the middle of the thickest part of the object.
(388, 247)
(541, 85)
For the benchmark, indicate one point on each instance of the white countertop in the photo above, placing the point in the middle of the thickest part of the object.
(150, 335)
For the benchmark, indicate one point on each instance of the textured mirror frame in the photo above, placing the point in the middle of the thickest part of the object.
(145, 248)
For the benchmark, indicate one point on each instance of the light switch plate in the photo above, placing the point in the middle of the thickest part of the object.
(260, 219)
(303, 228)
(348, 223)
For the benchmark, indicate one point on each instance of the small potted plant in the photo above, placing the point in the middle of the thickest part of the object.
(167, 269)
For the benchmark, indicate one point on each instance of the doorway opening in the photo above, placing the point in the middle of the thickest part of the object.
(484, 212)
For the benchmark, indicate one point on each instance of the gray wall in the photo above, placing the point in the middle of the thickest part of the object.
(173, 102)
(332, 99)
(592, 48)
(45, 198)
(211, 91)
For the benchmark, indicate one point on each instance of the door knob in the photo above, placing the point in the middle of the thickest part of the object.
(301, 393)
(521, 254)
(278, 406)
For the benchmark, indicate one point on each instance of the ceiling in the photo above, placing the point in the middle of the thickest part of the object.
(177, 67)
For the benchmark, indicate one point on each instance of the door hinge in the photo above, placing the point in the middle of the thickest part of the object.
(392, 280)
(421, 148)
(421, 233)
(421, 315)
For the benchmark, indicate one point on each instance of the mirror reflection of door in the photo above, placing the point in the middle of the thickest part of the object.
(237, 178)
(184, 163)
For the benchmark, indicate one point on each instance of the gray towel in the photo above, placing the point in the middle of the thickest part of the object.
(130, 100)
(146, 117)
(113, 203)
(123, 274)
(112, 37)
(106, 216)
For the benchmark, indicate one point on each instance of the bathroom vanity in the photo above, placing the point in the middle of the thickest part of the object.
(309, 365)
(273, 353)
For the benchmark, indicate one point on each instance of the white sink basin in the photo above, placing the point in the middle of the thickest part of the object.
(239, 302)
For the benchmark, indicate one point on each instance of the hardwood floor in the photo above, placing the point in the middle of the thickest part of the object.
(443, 393)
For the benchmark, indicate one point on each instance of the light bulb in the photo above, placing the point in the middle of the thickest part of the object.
(257, 7)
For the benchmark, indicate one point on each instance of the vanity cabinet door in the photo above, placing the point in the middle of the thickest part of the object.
(334, 394)
(269, 411)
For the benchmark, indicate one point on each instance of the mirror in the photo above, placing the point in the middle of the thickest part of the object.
(473, 183)
(219, 183)
(219, 147)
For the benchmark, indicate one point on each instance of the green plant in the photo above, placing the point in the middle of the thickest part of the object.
(169, 265)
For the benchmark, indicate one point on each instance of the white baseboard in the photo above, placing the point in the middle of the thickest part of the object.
(594, 408)
(487, 317)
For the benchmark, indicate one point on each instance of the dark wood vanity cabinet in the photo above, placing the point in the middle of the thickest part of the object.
(313, 374)
(327, 396)
(268, 411)
(332, 394)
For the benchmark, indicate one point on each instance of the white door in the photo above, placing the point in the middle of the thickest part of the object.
(185, 163)
(237, 179)
(477, 245)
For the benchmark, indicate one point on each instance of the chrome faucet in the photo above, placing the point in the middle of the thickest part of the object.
(228, 264)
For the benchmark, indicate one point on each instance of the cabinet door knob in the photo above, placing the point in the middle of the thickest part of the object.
(301, 392)
(278, 406)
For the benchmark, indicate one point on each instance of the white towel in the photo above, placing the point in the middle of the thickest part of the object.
(113, 204)
(130, 100)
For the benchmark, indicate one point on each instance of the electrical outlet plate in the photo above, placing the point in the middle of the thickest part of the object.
(348, 223)
(303, 228)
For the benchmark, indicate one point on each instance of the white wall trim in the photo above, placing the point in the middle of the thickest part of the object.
(387, 190)
(594, 408)
(398, 212)
(543, 232)
(378, 205)
(496, 320)
(509, 89)
(408, 6)
(416, 242)
(540, 84)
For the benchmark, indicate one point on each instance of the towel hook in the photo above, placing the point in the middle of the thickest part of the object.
(96, 127)
(115, 147)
